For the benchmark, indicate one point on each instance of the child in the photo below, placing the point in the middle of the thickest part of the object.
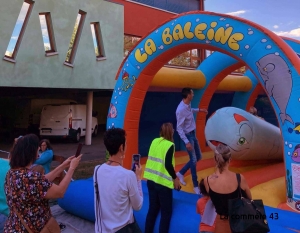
(201, 206)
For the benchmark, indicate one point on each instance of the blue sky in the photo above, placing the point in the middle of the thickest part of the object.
(279, 16)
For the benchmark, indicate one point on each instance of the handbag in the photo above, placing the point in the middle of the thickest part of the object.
(129, 228)
(247, 215)
(50, 227)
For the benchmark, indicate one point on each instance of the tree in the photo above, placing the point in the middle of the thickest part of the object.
(129, 43)
(8, 53)
(72, 40)
(181, 60)
(97, 51)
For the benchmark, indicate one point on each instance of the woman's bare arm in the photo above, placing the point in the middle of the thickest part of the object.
(56, 172)
(58, 191)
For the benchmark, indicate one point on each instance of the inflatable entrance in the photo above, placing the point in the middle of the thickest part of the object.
(271, 60)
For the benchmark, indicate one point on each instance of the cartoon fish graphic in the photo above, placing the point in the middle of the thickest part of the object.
(112, 111)
(127, 82)
(296, 154)
(278, 82)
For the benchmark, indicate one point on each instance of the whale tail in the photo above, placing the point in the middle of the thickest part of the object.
(285, 117)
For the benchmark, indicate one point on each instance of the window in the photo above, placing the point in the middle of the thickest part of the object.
(187, 59)
(97, 40)
(129, 43)
(209, 52)
(18, 32)
(75, 38)
(48, 34)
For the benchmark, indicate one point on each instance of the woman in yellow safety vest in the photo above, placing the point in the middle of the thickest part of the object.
(162, 179)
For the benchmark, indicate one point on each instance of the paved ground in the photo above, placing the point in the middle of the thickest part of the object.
(68, 148)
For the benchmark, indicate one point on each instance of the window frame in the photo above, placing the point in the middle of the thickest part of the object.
(53, 50)
(77, 38)
(99, 41)
(12, 58)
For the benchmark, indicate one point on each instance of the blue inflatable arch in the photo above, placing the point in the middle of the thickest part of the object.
(271, 60)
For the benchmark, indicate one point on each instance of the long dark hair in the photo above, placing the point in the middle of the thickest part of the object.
(24, 151)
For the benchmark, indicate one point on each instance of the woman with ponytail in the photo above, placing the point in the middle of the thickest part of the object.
(223, 186)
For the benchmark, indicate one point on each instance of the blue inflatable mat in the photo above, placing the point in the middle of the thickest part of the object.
(79, 201)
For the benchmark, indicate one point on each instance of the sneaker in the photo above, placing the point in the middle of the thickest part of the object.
(181, 178)
(196, 190)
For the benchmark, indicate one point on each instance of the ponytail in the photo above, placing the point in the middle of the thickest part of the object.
(222, 156)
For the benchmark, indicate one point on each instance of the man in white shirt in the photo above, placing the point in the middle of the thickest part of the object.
(186, 129)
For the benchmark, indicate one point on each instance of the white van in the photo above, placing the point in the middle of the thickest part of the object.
(65, 120)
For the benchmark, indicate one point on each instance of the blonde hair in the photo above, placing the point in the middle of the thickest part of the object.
(166, 131)
(222, 156)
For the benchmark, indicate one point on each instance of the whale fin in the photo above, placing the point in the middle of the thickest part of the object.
(285, 117)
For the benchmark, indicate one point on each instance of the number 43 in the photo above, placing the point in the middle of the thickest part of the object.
(274, 216)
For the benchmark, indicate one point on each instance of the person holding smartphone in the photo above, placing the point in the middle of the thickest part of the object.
(27, 192)
(117, 191)
(161, 179)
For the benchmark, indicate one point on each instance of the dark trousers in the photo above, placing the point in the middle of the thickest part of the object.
(160, 198)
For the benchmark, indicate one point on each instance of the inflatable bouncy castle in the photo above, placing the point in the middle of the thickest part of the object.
(266, 155)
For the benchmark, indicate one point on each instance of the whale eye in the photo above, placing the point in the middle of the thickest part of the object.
(242, 141)
(269, 67)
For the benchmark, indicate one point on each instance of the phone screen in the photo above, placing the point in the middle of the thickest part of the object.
(79, 147)
(135, 161)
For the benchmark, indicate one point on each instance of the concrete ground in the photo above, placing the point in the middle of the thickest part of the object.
(68, 148)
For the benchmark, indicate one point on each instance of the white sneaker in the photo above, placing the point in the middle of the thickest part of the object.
(181, 178)
(196, 190)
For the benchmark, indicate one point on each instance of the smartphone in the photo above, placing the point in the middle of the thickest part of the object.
(79, 147)
(135, 161)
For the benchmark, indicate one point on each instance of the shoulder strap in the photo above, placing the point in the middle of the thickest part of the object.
(14, 208)
(98, 209)
(238, 177)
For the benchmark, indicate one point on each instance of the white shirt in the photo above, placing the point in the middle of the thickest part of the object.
(119, 192)
(185, 120)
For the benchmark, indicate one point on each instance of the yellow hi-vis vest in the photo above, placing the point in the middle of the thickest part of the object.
(155, 167)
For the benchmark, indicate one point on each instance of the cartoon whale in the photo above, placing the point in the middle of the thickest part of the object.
(247, 136)
(278, 81)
